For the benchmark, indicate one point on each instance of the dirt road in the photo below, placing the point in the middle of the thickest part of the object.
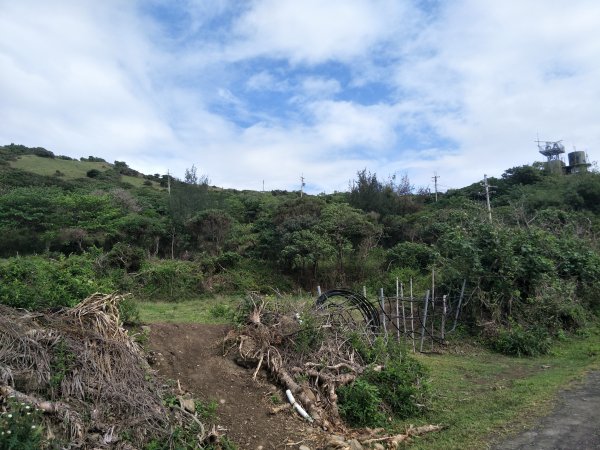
(573, 425)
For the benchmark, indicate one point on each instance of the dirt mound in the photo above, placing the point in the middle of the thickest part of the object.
(193, 354)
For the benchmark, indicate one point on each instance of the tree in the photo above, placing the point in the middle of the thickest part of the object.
(210, 229)
(347, 229)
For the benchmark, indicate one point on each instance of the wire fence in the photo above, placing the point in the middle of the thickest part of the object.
(422, 321)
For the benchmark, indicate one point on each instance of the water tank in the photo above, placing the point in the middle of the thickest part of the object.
(577, 158)
(555, 166)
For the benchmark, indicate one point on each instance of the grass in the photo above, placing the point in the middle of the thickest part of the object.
(482, 397)
(202, 310)
(70, 169)
(49, 166)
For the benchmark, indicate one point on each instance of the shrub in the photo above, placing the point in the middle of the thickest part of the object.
(20, 426)
(402, 385)
(399, 388)
(37, 282)
(92, 173)
(360, 404)
(125, 256)
(129, 312)
(516, 340)
(170, 279)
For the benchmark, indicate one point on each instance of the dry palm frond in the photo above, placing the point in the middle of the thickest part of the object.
(80, 363)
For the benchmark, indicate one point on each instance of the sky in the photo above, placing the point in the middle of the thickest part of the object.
(268, 91)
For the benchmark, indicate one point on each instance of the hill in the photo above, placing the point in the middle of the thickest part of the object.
(535, 265)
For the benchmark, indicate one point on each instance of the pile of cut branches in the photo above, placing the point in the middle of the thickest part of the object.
(89, 378)
(306, 353)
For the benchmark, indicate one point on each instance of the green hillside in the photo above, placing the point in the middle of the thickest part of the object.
(50, 166)
(536, 265)
(531, 273)
(71, 169)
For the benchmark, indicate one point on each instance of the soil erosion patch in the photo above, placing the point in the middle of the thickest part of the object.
(193, 354)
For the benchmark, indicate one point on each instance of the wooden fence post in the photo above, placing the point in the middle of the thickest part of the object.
(424, 321)
(382, 300)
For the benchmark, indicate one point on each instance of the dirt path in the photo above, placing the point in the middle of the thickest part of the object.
(193, 354)
(574, 423)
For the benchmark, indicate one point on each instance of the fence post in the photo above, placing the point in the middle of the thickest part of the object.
(382, 301)
(424, 321)
(462, 293)
(364, 291)
(444, 318)
(397, 313)
(412, 317)
(319, 291)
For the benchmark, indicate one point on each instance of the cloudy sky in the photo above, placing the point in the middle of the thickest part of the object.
(253, 90)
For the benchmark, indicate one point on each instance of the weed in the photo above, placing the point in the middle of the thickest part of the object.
(310, 335)
(519, 341)
(20, 426)
(221, 311)
(61, 364)
(207, 411)
(275, 399)
(129, 311)
(361, 404)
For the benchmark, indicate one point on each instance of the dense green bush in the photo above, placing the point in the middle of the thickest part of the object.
(37, 282)
(394, 385)
(517, 340)
(170, 280)
(360, 404)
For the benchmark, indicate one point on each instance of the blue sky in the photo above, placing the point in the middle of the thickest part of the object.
(269, 90)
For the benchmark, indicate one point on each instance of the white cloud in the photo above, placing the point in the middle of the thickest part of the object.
(313, 31)
(488, 76)
(346, 125)
(461, 90)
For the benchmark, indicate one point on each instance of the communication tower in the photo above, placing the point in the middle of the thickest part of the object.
(552, 150)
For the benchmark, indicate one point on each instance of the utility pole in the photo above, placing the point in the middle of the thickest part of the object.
(435, 178)
(169, 182)
(487, 196)
(302, 184)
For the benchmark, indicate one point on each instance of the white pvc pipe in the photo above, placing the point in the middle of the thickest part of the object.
(297, 406)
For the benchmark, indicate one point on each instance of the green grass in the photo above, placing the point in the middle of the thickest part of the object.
(483, 397)
(49, 166)
(70, 169)
(202, 310)
(137, 181)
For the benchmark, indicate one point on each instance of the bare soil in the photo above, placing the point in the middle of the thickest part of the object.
(193, 354)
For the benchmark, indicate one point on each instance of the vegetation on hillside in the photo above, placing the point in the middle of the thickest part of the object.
(535, 266)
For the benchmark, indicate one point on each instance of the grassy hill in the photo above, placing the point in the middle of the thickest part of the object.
(68, 169)
(50, 166)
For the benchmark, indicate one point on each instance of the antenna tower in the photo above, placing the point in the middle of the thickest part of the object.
(551, 149)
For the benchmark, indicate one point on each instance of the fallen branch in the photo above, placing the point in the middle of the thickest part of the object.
(398, 438)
